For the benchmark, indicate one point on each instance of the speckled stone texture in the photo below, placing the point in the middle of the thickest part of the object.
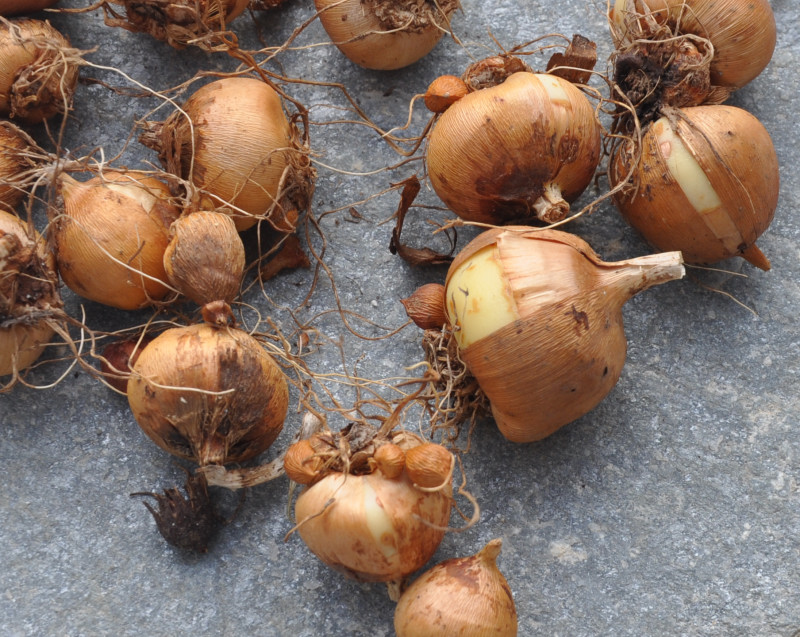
(670, 509)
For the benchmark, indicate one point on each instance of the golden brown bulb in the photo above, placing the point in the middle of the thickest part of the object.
(538, 320)
(520, 150)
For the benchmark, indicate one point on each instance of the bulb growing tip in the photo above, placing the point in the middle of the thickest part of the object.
(754, 256)
(636, 275)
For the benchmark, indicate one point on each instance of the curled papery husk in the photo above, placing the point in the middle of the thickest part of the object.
(239, 150)
(208, 394)
(370, 527)
(38, 70)
(17, 154)
(111, 236)
(17, 7)
(705, 181)
(177, 22)
(205, 257)
(742, 32)
(538, 320)
(465, 596)
(385, 34)
(516, 151)
(28, 295)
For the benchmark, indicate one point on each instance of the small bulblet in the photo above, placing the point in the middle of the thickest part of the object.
(538, 320)
(205, 257)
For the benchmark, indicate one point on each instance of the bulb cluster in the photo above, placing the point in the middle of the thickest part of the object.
(531, 312)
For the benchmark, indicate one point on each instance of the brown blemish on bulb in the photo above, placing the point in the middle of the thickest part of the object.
(581, 318)
(462, 571)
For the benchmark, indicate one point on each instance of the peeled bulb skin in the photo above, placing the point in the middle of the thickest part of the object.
(538, 320)
(208, 394)
(707, 184)
(110, 239)
(358, 33)
(468, 597)
(516, 151)
(372, 531)
(743, 32)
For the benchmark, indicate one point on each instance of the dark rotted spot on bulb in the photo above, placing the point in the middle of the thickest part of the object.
(187, 522)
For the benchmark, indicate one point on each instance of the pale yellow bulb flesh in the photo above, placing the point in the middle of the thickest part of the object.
(695, 185)
(554, 89)
(378, 522)
(479, 300)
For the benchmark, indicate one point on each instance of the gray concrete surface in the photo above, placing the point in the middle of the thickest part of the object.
(671, 509)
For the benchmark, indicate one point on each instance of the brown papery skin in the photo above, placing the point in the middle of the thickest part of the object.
(464, 597)
(17, 7)
(743, 32)
(168, 393)
(566, 352)
(105, 216)
(737, 155)
(338, 533)
(240, 144)
(358, 33)
(493, 152)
